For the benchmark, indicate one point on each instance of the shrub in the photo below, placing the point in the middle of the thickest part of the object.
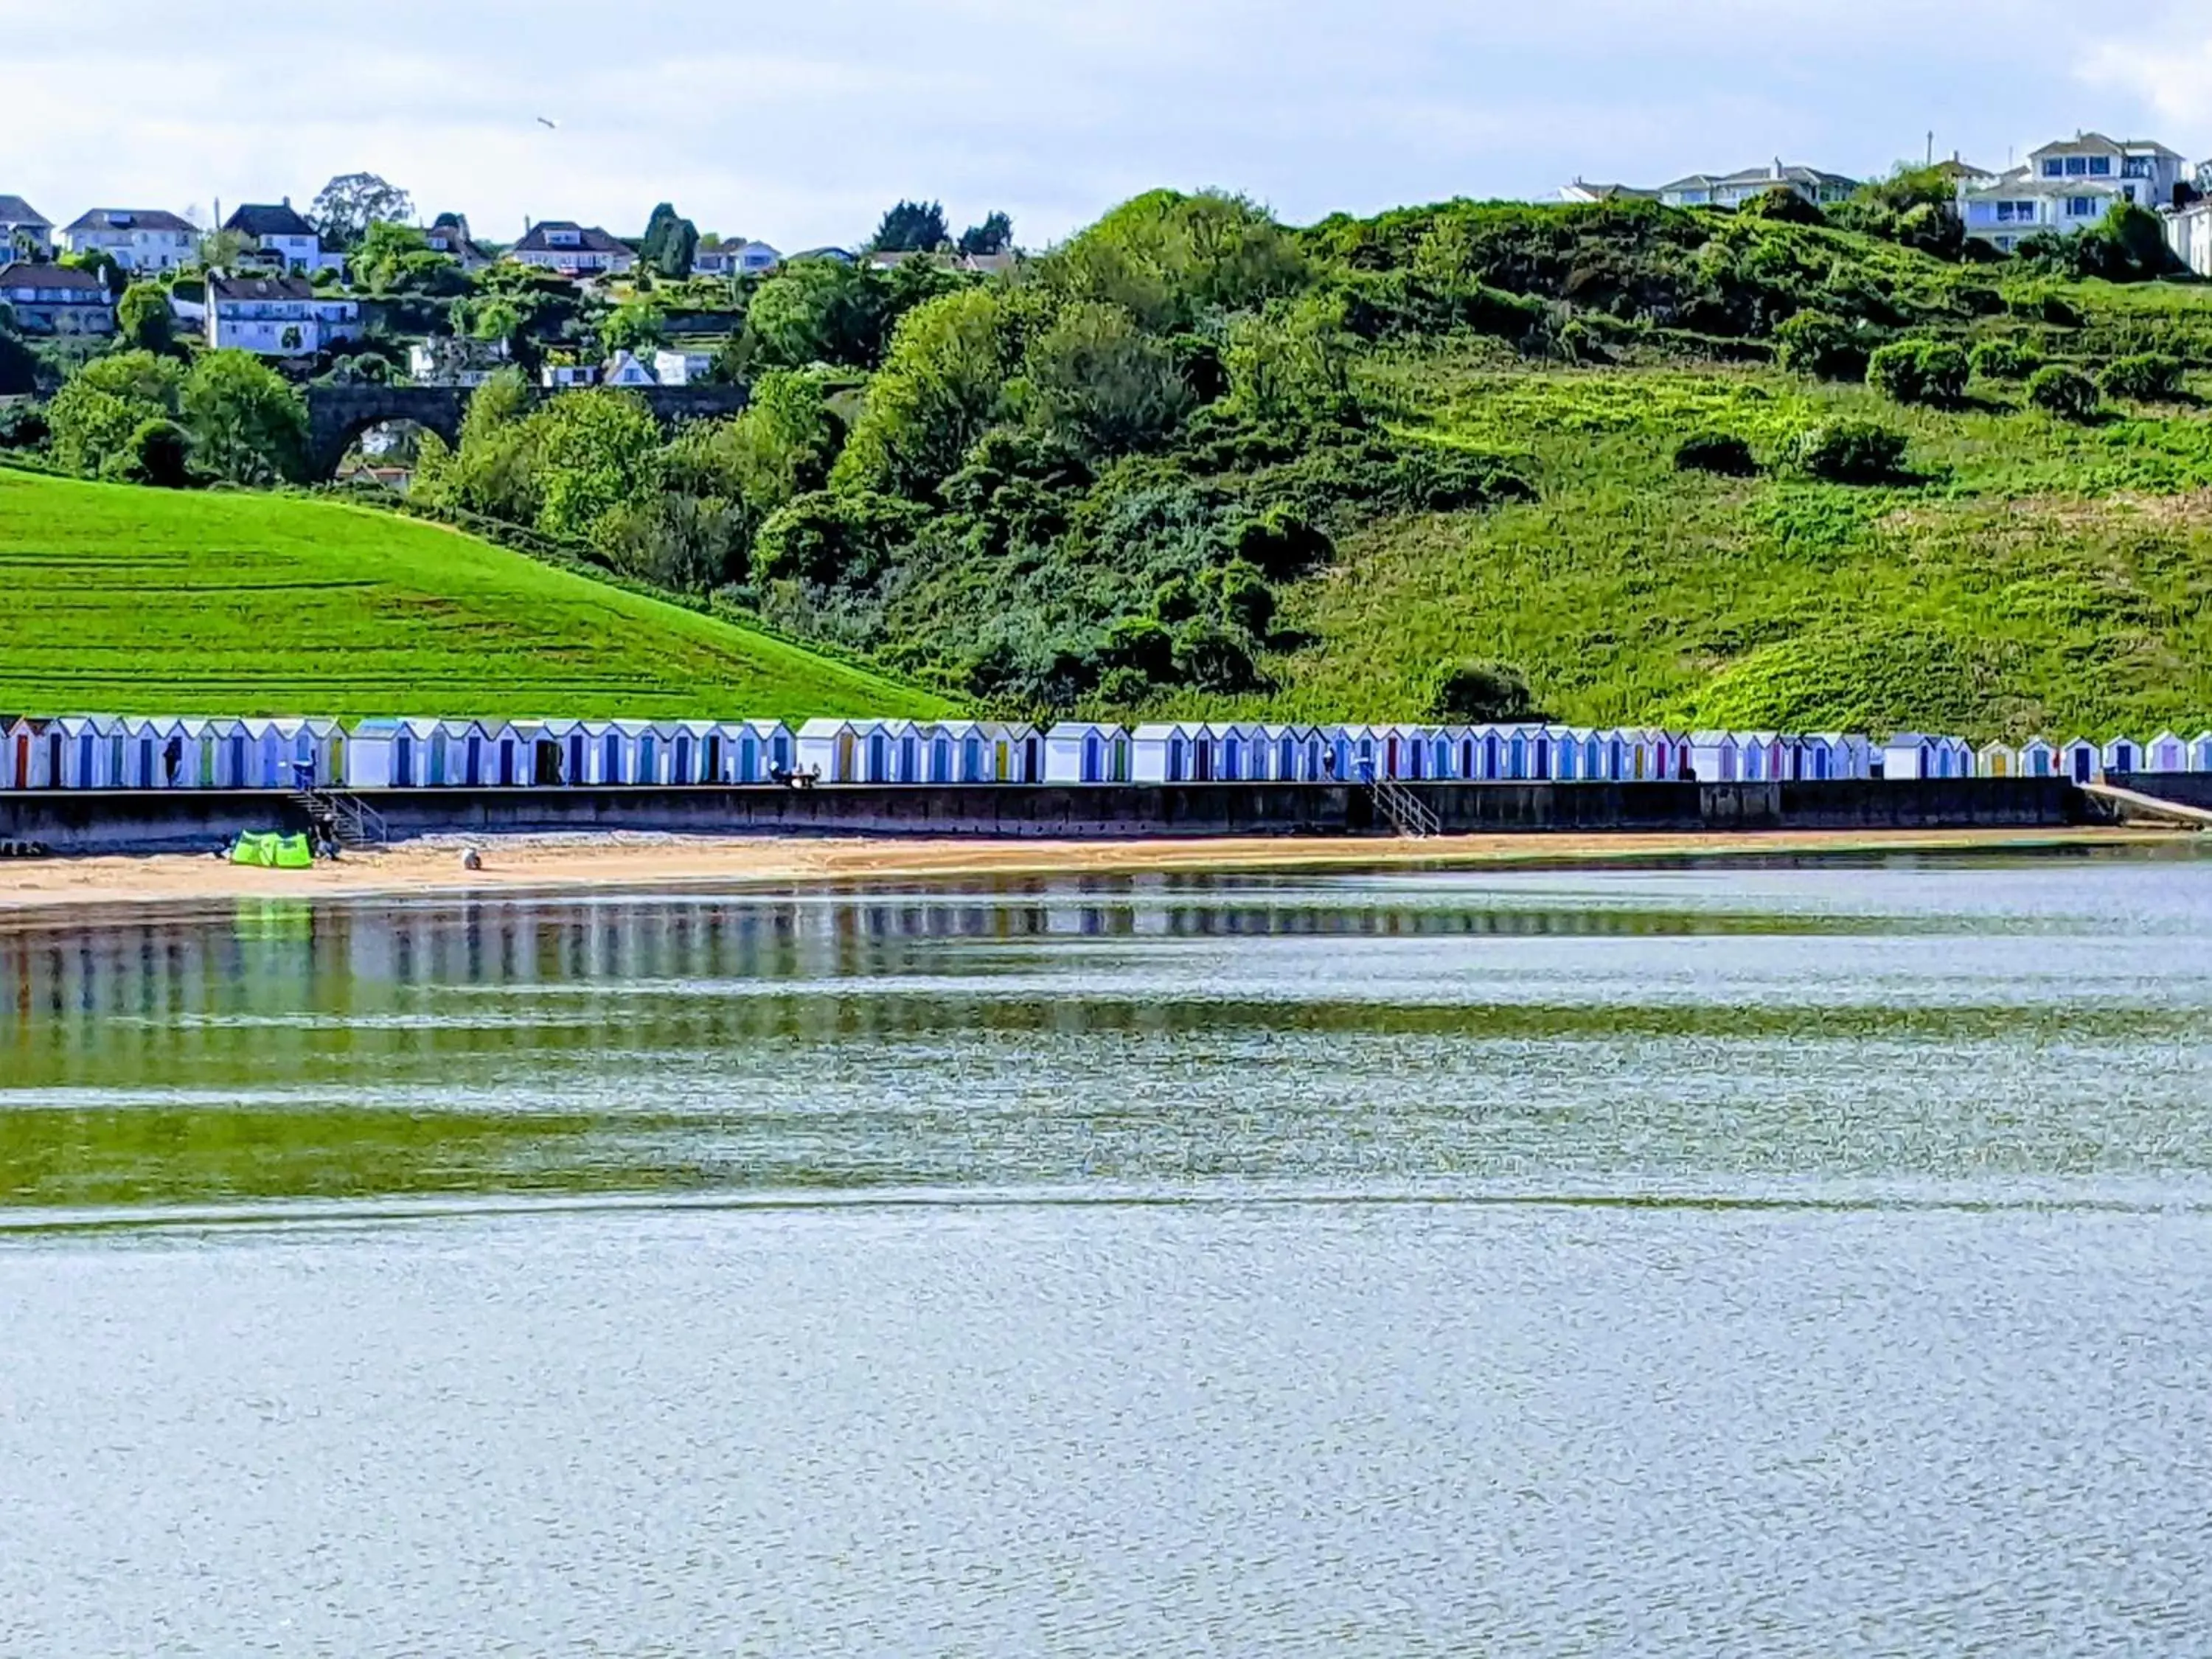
(2146, 377)
(1814, 343)
(1784, 206)
(1919, 372)
(1851, 452)
(2005, 359)
(2063, 392)
(1715, 451)
(159, 454)
(1480, 692)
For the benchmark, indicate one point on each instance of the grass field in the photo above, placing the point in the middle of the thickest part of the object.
(2031, 575)
(141, 601)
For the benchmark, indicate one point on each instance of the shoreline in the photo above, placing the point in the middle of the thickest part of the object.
(512, 865)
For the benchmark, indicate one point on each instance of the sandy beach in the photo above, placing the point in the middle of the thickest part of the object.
(535, 863)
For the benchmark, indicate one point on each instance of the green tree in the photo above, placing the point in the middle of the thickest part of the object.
(1102, 383)
(345, 208)
(1483, 693)
(494, 468)
(994, 235)
(912, 228)
(143, 321)
(941, 385)
(1171, 260)
(636, 325)
(593, 450)
(669, 243)
(248, 424)
(818, 311)
(1291, 362)
(94, 416)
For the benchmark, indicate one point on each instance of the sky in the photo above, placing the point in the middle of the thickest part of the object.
(799, 124)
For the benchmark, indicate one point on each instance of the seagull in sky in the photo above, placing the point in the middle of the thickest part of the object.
(547, 124)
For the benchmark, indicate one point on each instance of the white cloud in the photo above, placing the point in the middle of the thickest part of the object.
(800, 124)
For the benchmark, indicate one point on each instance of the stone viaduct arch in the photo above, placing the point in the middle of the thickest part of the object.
(336, 414)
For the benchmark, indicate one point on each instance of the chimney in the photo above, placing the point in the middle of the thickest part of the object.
(1777, 172)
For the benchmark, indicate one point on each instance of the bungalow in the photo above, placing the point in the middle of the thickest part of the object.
(2123, 755)
(579, 252)
(2083, 760)
(137, 239)
(57, 300)
(735, 259)
(1733, 189)
(2165, 752)
(280, 237)
(277, 316)
(2039, 758)
(1082, 751)
(25, 233)
(1996, 760)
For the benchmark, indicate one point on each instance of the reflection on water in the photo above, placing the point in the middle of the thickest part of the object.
(1781, 1260)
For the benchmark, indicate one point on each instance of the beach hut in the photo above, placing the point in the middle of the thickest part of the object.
(1996, 760)
(554, 754)
(759, 750)
(153, 753)
(1161, 751)
(1954, 757)
(1084, 751)
(1240, 751)
(83, 742)
(2165, 752)
(1297, 754)
(2039, 758)
(1715, 756)
(2081, 761)
(1908, 755)
(18, 738)
(2123, 755)
(2200, 753)
(831, 750)
(389, 753)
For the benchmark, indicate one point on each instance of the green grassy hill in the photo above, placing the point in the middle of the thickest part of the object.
(134, 600)
(2030, 575)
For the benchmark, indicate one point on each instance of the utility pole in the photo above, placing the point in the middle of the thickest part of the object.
(1931, 147)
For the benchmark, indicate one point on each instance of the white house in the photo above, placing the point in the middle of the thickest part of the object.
(277, 316)
(2068, 186)
(1733, 189)
(25, 233)
(736, 259)
(2189, 233)
(443, 360)
(578, 251)
(413, 753)
(137, 239)
(624, 369)
(283, 238)
(682, 367)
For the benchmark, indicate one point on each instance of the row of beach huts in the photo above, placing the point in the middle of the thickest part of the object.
(98, 751)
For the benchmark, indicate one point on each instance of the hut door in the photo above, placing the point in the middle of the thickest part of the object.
(472, 763)
(878, 758)
(403, 762)
(545, 763)
(680, 771)
(1091, 767)
(611, 759)
(20, 774)
(713, 770)
(1543, 757)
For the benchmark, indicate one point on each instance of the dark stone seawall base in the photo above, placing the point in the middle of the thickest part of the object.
(2183, 788)
(185, 820)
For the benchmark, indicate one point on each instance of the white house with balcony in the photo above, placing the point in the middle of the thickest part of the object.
(578, 251)
(1733, 189)
(137, 239)
(2068, 186)
(277, 316)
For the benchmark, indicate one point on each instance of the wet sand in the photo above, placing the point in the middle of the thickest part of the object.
(552, 863)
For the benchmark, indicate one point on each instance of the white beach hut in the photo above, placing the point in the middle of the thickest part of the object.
(831, 749)
(1994, 759)
(759, 750)
(1908, 755)
(2200, 753)
(1084, 751)
(20, 746)
(1160, 751)
(2083, 760)
(2039, 758)
(1715, 756)
(1954, 757)
(554, 753)
(2165, 752)
(87, 750)
(2123, 755)
(155, 753)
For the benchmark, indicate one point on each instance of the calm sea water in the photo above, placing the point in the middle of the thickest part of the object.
(1781, 1260)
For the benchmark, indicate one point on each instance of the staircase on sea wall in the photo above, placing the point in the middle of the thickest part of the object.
(343, 818)
(1406, 813)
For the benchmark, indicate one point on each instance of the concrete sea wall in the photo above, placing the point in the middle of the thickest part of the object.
(183, 820)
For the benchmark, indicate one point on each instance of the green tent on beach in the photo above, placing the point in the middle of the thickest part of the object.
(273, 851)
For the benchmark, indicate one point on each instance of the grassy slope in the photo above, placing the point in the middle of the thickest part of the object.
(2037, 576)
(141, 601)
